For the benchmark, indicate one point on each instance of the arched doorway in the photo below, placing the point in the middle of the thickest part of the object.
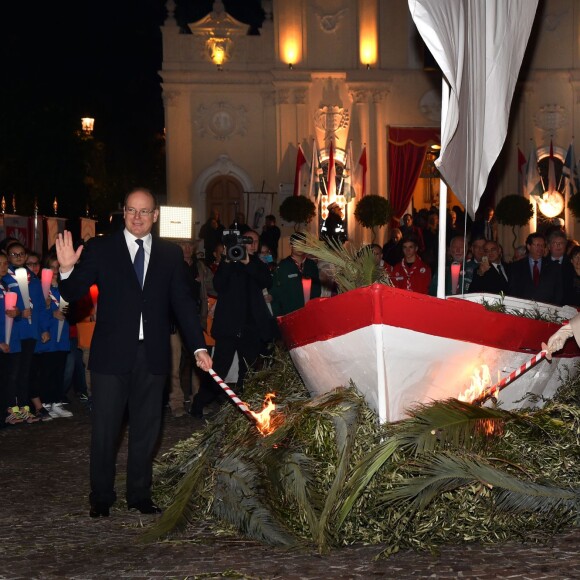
(226, 194)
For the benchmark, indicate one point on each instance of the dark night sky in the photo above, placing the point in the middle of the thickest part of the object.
(96, 58)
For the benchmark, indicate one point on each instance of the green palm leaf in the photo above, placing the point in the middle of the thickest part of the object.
(238, 501)
(181, 510)
(448, 422)
(440, 473)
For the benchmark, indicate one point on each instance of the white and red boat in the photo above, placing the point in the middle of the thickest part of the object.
(401, 348)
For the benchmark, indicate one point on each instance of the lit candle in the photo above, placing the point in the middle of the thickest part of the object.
(94, 290)
(21, 275)
(306, 287)
(46, 281)
(455, 269)
(10, 299)
(62, 306)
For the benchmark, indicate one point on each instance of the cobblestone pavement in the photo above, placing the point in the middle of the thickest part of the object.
(45, 531)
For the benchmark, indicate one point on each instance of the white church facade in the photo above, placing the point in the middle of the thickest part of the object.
(348, 74)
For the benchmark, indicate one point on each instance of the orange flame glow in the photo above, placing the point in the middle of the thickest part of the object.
(263, 418)
(480, 383)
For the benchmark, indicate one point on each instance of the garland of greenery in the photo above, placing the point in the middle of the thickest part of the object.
(330, 475)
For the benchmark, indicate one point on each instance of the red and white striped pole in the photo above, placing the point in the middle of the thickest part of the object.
(488, 393)
(236, 400)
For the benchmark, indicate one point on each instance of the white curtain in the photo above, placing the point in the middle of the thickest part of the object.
(479, 46)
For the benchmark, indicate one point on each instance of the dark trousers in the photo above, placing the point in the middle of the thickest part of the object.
(140, 394)
(248, 348)
(25, 390)
(50, 375)
(10, 363)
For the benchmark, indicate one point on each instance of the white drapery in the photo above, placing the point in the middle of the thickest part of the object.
(479, 46)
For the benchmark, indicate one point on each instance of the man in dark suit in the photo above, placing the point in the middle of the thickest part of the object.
(141, 281)
(491, 275)
(536, 277)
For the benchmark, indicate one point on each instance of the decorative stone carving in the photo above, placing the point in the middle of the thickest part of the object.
(220, 120)
(379, 95)
(329, 23)
(359, 96)
(300, 96)
(550, 118)
(430, 105)
(330, 119)
(282, 96)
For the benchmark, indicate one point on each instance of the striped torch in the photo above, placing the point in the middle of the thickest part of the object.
(494, 389)
(233, 397)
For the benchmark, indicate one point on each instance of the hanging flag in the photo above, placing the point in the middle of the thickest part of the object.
(533, 181)
(346, 188)
(521, 171)
(551, 172)
(315, 172)
(300, 161)
(570, 169)
(362, 168)
(331, 176)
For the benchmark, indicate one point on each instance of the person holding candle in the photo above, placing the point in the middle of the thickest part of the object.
(33, 263)
(50, 356)
(32, 327)
(9, 350)
(288, 284)
(142, 281)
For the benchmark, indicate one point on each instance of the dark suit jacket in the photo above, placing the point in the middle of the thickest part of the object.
(549, 289)
(492, 281)
(106, 262)
(241, 308)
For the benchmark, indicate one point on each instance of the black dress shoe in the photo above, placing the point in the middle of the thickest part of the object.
(145, 506)
(99, 511)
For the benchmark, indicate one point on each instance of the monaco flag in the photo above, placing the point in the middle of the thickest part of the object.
(300, 161)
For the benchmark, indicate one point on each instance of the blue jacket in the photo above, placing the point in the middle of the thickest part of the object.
(55, 345)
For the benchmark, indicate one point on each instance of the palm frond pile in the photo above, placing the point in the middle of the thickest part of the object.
(330, 475)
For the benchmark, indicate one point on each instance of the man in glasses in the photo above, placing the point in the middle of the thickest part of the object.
(141, 279)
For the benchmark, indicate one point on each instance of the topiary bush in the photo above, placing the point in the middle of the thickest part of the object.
(373, 211)
(298, 210)
(515, 211)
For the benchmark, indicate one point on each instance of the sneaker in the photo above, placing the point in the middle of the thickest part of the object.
(27, 416)
(13, 417)
(43, 414)
(59, 411)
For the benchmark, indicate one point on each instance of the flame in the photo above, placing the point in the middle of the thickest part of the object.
(480, 384)
(263, 418)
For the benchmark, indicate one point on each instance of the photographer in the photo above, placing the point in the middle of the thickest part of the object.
(242, 321)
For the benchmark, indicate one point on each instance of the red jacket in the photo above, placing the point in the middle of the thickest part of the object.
(415, 278)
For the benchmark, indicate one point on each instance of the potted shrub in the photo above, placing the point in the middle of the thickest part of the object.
(574, 205)
(297, 209)
(373, 211)
(514, 210)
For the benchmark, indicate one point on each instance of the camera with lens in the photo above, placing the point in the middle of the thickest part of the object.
(235, 245)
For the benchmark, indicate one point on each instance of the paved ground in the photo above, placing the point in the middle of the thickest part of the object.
(45, 531)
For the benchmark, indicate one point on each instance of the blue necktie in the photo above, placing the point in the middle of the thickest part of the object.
(139, 262)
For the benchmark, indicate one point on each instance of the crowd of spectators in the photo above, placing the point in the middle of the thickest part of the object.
(43, 363)
(40, 360)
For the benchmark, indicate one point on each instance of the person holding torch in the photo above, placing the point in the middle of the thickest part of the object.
(141, 280)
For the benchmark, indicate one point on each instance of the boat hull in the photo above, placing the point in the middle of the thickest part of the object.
(401, 349)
